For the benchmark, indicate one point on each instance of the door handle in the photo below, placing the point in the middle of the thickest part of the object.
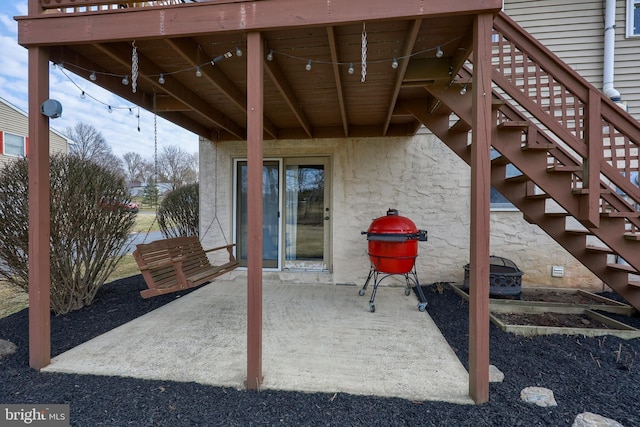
(326, 218)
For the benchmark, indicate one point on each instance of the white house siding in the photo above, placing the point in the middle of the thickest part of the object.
(574, 30)
(15, 121)
(421, 178)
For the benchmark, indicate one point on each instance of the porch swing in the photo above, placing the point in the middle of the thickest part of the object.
(179, 263)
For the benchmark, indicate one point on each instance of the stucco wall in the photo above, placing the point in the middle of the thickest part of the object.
(421, 178)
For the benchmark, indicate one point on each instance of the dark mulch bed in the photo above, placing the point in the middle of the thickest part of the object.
(600, 375)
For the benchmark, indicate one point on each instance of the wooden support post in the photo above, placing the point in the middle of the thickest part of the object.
(590, 202)
(480, 206)
(254, 205)
(39, 213)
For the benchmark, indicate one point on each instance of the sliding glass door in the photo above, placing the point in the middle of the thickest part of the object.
(297, 239)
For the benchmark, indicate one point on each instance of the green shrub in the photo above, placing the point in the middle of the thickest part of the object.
(179, 212)
(90, 226)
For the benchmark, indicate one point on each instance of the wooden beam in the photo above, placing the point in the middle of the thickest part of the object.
(186, 48)
(480, 210)
(255, 106)
(174, 88)
(335, 59)
(409, 42)
(228, 16)
(39, 212)
(280, 81)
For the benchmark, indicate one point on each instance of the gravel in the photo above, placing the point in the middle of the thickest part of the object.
(600, 375)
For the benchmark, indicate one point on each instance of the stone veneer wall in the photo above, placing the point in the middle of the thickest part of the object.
(421, 178)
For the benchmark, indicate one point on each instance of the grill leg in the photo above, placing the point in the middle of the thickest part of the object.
(376, 282)
(414, 278)
(366, 283)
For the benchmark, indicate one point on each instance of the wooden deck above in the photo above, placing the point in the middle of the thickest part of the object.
(363, 57)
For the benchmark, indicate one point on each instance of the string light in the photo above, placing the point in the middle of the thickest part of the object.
(270, 56)
(439, 52)
(110, 109)
(125, 80)
(92, 76)
(161, 79)
(83, 95)
(198, 72)
(238, 51)
(351, 69)
(463, 90)
(394, 63)
(308, 66)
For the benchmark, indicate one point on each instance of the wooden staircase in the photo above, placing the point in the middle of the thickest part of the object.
(576, 151)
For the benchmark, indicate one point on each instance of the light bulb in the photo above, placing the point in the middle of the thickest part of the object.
(61, 65)
(130, 112)
(439, 52)
(83, 95)
(238, 51)
(270, 56)
(308, 66)
(93, 76)
(110, 109)
(394, 64)
(463, 90)
(161, 79)
(198, 72)
(125, 80)
(351, 69)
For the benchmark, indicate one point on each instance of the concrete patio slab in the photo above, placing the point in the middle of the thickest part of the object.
(316, 338)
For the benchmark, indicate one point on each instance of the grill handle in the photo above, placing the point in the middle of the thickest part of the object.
(421, 236)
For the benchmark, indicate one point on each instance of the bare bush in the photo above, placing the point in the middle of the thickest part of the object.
(179, 212)
(90, 226)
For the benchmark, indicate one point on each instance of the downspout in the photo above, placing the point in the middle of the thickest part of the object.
(609, 52)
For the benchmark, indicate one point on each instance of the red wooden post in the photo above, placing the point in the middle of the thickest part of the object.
(255, 96)
(480, 208)
(590, 203)
(39, 215)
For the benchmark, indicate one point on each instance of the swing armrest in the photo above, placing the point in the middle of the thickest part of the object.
(227, 247)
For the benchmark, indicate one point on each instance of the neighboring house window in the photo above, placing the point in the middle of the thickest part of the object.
(498, 201)
(633, 18)
(14, 145)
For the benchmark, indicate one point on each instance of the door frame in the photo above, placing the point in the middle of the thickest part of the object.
(326, 160)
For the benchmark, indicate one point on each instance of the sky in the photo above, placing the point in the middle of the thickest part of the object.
(119, 128)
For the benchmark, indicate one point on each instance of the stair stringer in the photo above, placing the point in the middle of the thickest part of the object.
(508, 142)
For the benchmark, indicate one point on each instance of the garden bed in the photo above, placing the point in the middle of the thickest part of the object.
(559, 311)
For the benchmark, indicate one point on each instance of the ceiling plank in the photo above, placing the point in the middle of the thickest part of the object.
(335, 60)
(187, 49)
(279, 80)
(175, 89)
(409, 42)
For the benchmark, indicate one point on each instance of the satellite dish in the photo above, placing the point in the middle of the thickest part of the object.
(51, 108)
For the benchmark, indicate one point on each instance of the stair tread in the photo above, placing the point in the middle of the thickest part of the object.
(634, 214)
(518, 178)
(578, 232)
(603, 249)
(634, 283)
(460, 126)
(622, 267)
(557, 214)
(514, 125)
(538, 196)
(632, 236)
(500, 160)
(563, 168)
(579, 191)
(534, 147)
